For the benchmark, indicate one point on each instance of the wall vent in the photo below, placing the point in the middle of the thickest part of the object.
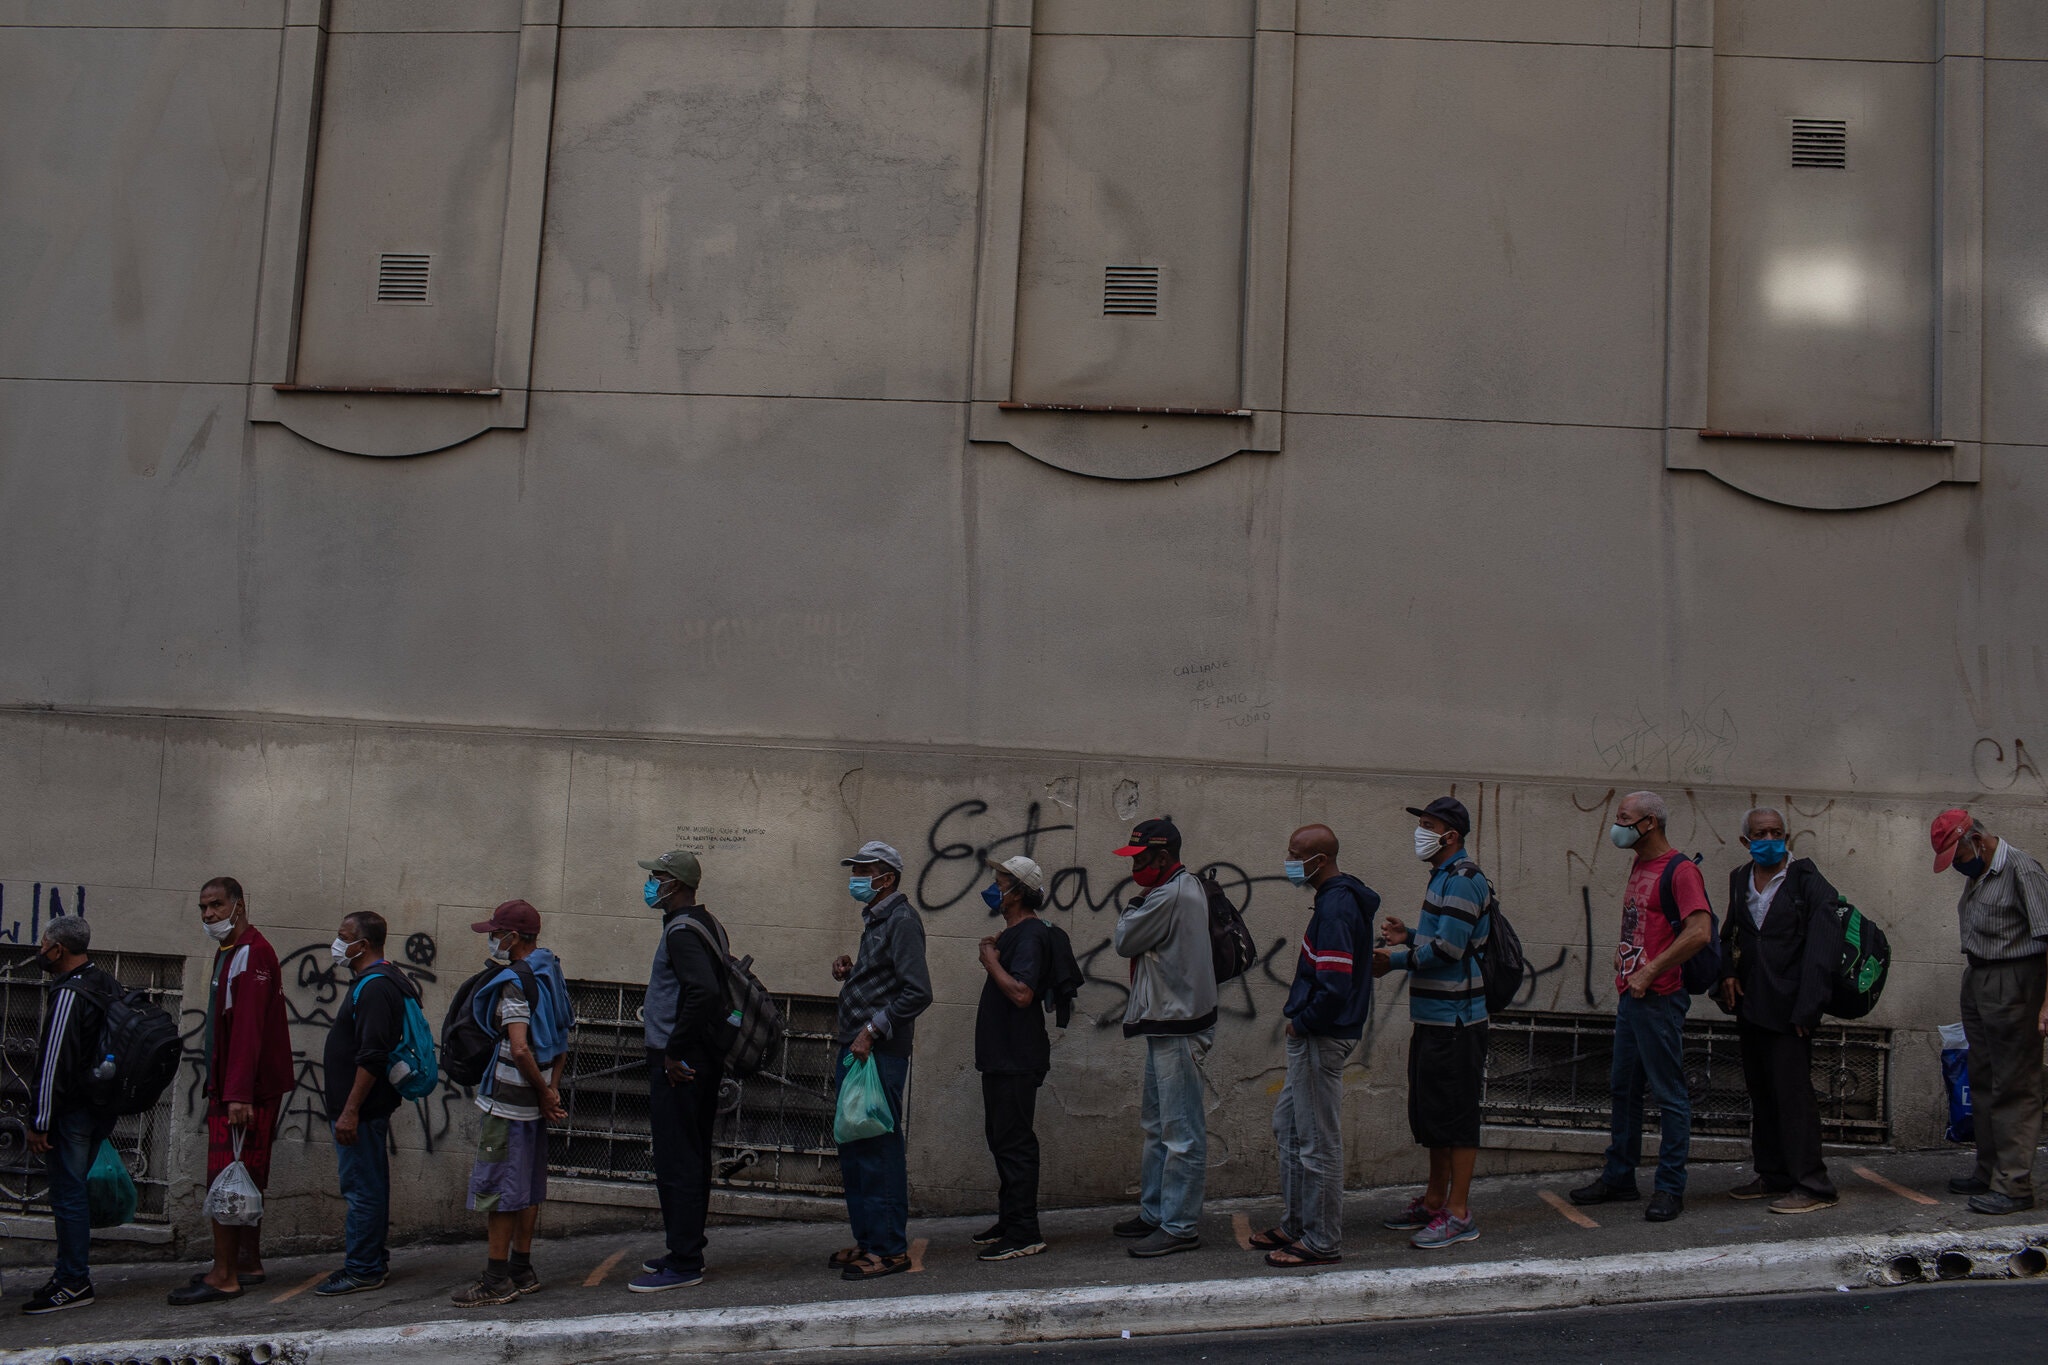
(404, 277)
(1820, 144)
(1130, 291)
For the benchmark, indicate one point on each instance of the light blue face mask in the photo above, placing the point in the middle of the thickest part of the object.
(1624, 836)
(1767, 852)
(861, 889)
(651, 892)
(1296, 870)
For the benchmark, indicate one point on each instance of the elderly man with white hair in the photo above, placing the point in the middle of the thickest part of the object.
(1665, 919)
(1013, 1053)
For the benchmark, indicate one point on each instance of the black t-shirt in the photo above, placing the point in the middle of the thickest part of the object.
(366, 1027)
(1010, 1039)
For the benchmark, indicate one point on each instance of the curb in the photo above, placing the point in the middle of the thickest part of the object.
(998, 1319)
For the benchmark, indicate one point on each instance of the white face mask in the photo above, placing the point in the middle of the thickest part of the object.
(219, 930)
(340, 949)
(1427, 843)
(500, 949)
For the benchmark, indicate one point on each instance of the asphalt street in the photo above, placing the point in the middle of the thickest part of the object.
(1920, 1323)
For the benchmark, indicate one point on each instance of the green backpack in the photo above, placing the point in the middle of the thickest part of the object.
(1866, 962)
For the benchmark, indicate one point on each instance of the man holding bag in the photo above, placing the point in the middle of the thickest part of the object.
(885, 987)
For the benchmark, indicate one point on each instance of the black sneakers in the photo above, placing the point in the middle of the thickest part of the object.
(55, 1298)
(1010, 1248)
(1663, 1207)
(1600, 1192)
(989, 1235)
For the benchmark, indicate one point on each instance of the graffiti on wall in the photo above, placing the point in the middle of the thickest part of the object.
(45, 903)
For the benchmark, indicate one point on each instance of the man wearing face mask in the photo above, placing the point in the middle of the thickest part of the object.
(1782, 944)
(1325, 1014)
(248, 1073)
(360, 1097)
(1012, 1052)
(1172, 1006)
(685, 997)
(62, 1128)
(1664, 921)
(2003, 915)
(886, 986)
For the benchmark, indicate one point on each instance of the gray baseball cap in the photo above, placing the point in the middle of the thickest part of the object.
(680, 864)
(875, 851)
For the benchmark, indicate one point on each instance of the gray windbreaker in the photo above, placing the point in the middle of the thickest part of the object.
(1173, 984)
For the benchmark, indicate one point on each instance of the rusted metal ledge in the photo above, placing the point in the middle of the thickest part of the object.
(1110, 407)
(353, 388)
(1918, 442)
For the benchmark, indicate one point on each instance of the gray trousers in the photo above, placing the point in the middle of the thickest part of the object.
(1311, 1144)
(2001, 1018)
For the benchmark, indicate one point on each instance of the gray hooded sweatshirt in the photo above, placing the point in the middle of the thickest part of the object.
(1173, 979)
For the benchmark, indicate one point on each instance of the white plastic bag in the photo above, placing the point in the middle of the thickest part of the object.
(233, 1199)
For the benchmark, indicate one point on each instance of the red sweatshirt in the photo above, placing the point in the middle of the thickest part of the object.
(252, 1045)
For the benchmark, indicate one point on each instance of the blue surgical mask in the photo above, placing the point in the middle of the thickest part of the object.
(1767, 852)
(992, 896)
(861, 889)
(651, 892)
(1624, 836)
(1296, 870)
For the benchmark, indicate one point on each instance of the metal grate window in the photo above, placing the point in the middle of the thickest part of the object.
(404, 277)
(1820, 144)
(1130, 291)
(1550, 1071)
(143, 1140)
(774, 1131)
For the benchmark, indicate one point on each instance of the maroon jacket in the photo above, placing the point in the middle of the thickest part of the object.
(252, 1045)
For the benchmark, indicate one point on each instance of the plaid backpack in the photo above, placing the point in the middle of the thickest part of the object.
(750, 1036)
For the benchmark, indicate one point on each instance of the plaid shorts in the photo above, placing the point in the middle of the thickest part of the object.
(220, 1141)
(511, 1171)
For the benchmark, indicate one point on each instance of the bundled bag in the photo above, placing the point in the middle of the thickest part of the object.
(233, 1199)
(863, 1104)
(109, 1190)
(1955, 1078)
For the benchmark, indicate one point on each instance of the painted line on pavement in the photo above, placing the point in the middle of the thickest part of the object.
(311, 1280)
(1571, 1214)
(917, 1254)
(1242, 1226)
(604, 1268)
(1900, 1190)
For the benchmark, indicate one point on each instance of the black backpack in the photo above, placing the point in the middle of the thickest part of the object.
(1866, 962)
(1502, 966)
(466, 1044)
(1230, 943)
(1702, 971)
(142, 1040)
(1067, 978)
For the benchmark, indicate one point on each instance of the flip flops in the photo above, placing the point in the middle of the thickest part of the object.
(1272, 1239)
(1297, 1257)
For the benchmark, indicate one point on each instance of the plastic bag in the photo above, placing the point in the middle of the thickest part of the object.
(109, 1190)
(863, 1103)
(233, 1199)
(1955, 1078)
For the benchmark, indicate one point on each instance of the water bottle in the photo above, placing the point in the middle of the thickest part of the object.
(105, 1070)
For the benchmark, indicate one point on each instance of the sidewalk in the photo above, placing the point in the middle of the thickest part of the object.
(769, 1287)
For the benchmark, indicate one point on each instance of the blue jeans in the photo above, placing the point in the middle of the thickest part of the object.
(75, 1138)
(1649, 1054)
(1175, 1163)
(873, 1171)
(365, 1167)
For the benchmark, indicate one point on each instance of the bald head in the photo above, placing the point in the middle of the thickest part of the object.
(1315, 848)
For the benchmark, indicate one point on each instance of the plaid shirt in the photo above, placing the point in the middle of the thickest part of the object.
(2004, 913)
(889, 985)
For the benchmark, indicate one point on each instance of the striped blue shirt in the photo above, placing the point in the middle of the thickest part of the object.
(1441, 956)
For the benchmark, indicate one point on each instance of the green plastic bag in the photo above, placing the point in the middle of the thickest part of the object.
(109, 1190)
(863, 1104)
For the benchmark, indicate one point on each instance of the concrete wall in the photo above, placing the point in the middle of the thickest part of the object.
(741, 568)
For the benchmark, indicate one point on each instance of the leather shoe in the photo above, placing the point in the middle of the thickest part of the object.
(1600, 1192)
(185, 1295)
(1997, 1204)
(1969, 1184)
(1663, 1207)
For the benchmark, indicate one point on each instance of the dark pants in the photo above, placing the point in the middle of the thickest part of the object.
(1784, 1119)
(682, 1117)
(1649, 1057)
(873, 1171)
(75, 1138)
(365, 1168)
(2001, 1019)
(1007, 1103)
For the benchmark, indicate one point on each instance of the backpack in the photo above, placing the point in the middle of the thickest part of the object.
(1067, 979)
(1701, 972)
(1230, 943)
(1502, 965)
(412, 1069)
(1866, 962)
(466, 1041)
(750, 1035)
(142, 1041)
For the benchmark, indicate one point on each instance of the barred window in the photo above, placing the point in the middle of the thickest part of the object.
(1550, 1071)
(774, 1130)
(143, 1140)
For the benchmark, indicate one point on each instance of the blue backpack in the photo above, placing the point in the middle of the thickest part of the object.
(413, 1072)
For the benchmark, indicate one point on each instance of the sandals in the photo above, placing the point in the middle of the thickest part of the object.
(1272, 1239)
(1297, 1256)
(844, 1257)
(873, 1267)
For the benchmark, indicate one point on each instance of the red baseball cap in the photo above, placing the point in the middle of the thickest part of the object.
(513, 917)
(1947, 832)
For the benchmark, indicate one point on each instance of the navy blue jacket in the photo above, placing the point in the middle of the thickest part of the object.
(1332, 994)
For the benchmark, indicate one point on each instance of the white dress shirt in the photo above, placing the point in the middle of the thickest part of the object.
(1760, 901)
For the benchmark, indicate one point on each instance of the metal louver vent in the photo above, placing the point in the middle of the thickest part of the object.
(1130, 291)
(1820, 144)
(404, 277)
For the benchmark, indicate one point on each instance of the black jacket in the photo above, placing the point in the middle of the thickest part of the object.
(70, 1042)
(1787, 970)
(370, 1023)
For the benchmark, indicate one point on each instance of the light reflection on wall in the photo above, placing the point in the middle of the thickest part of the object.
(1824, 287)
